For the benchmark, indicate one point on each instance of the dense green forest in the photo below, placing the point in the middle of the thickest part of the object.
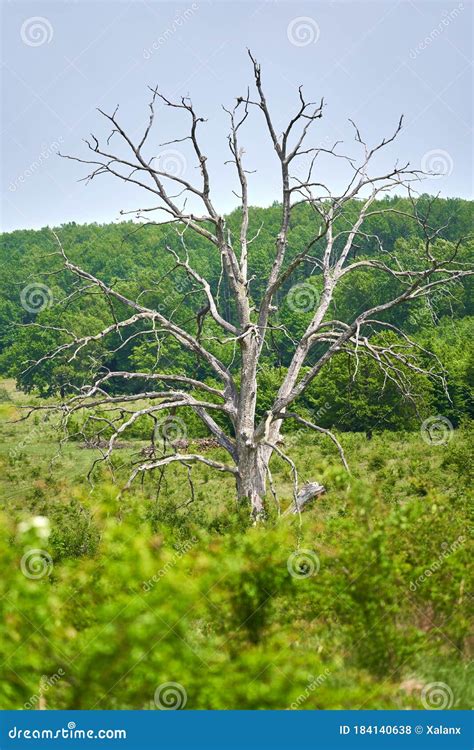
(134, 259)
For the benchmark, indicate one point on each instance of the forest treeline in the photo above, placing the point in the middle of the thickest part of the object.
(41, 303)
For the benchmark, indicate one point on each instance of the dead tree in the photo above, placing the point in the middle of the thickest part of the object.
(251, 443)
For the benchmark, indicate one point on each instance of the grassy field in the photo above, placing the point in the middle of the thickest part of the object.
(130, 601)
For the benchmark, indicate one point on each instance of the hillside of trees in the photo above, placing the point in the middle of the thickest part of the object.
(137, 259)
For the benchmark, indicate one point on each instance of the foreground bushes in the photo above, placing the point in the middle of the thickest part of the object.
(360, 605)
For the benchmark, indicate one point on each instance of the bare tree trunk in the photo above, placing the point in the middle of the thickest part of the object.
(251, 478)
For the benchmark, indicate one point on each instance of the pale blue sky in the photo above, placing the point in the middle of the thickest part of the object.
(370, 60)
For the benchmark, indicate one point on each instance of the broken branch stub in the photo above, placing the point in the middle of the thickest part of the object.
(307, 493)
